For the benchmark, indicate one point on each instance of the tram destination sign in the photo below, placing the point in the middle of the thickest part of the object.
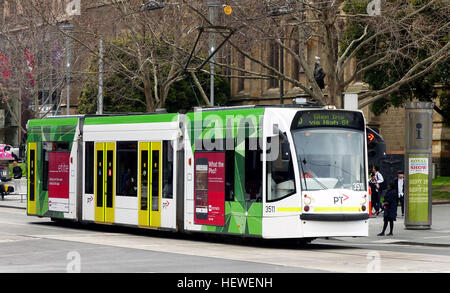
(328, 118)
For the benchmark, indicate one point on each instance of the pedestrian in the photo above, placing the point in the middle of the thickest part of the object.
(379, 187)
(2, 190)
(17, 170)
(399, 185)
(373, 189)
(390, 205)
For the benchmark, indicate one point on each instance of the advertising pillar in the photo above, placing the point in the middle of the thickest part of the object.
(418, 163)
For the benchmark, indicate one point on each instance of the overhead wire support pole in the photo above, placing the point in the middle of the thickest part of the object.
(68, 28)
(100, 79)
(213, 6)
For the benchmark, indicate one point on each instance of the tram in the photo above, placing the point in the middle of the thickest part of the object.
(254, 171)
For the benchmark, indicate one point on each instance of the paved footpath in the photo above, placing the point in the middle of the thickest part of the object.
(438, 235)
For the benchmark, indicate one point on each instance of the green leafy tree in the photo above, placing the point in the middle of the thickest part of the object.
(123, 96)
(411, 50)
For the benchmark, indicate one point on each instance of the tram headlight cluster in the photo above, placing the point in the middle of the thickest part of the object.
(306, 201)
(363, 203)
(364, 200)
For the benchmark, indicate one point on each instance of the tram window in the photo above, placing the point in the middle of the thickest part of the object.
(229, 175)
(167, 154)
(89, 167)
(109, 178)
(32, 172)
(99, 178)
(50, 146)
(253, 169)
(127, 152)
(155, 180)
(280, 176)
(144, 179)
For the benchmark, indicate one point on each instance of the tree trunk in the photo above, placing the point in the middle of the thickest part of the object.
(149, 104)
(330, 38)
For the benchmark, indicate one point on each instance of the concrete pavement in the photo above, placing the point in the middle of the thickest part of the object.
(438, 235)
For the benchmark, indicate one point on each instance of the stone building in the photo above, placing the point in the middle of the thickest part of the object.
(96, 18)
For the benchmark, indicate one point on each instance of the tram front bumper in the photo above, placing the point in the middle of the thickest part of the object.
(335, 225)
(334, 217)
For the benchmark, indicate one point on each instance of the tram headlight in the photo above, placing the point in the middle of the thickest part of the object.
(364, 200)
(307, 201)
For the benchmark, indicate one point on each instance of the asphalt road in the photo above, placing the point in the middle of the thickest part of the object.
(37, 245)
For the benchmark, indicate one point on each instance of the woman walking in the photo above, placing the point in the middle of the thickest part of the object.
(390, 209)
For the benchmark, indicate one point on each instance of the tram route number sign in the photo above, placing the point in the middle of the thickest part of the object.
(332, 118)
(58, 181)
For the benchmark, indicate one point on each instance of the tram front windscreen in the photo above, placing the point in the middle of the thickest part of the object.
(330, 150)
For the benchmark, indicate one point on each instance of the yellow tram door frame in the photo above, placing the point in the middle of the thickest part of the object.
(104, 182)
(32, 182)
(99, 182)
(143, 190)
(150, 158)
(155, 195)
(110, 182)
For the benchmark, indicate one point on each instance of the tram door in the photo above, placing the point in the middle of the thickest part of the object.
(104, 181)
(32, 151)
(150, 184)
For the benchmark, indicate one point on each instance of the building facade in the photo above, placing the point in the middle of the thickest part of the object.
(48, 84)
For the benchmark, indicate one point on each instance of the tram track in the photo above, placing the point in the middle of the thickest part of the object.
(327, 258)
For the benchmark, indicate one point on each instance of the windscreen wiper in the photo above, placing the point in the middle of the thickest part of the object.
(302, 163)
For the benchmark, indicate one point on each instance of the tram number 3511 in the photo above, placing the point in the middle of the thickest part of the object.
(270, 209)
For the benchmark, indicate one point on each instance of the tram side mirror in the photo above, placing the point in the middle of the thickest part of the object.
(285, 151)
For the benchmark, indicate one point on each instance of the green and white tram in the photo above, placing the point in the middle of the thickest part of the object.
(268, 172)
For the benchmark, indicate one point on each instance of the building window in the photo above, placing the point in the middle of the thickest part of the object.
(274, 61)
(241, 81)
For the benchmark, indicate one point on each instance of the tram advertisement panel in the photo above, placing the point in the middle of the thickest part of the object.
(210, 188)
(58, 181)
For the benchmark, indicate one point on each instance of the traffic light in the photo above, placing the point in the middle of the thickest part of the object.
(376, 147)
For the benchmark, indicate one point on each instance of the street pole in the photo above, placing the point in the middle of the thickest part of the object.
(282, 72)
(213, 6)
(100, 79)
(68, 28)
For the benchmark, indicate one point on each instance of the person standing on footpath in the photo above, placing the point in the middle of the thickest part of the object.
(374, 192)
(399, 185)
(379, 181)
(390, 209)
(17, 170)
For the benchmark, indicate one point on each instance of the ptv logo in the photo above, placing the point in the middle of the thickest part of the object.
(340, 199)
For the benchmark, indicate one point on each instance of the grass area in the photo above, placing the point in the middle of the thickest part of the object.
(441, 188)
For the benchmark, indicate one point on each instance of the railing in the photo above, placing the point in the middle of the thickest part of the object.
(20, 187)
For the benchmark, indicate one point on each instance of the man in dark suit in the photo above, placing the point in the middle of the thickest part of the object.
(399, 185)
